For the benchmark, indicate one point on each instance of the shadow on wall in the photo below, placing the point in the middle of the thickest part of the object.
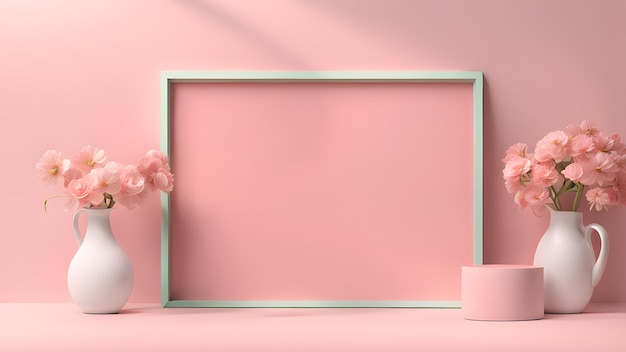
(242, 28)
(418, 22)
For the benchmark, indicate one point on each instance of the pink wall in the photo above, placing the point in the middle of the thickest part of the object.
(87, 72)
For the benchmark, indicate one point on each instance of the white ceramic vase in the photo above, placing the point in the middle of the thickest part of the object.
(571, 271)
(100, 276)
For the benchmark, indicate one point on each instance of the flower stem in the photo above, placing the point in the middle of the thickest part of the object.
(579, 192)
(45, 202)
(109, 197)
(554, 195)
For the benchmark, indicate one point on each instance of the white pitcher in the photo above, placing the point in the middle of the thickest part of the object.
(100, 276)
(571, 270)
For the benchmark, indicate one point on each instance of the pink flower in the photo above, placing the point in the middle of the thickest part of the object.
(532, 196)
(88, 158)
(155, 169)
(517, 150)
(514, 173)
(164, 180)
(586, 127)
(544, 175)
(619, 160)
(516, 168)
(616, 143)
(135, 200)
(131, 180)
(581, 145)
(552, 147)
(52, 166)
(156, 154)
(107, 181)
(600, 169)
(90, 182)
(600, 198)
(562, 163)
(133, 193)
(71, 174)
(608, 143)
(573, 171)
(81, 190)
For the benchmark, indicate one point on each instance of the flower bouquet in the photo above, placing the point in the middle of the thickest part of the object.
(100, 276)
(582, 158)
(89, 180)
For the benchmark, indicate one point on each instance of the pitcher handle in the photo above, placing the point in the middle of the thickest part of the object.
(600, 264)
(79, 237)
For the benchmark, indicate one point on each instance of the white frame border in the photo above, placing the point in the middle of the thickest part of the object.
(476, 78)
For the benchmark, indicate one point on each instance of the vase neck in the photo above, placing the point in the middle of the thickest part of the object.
(98, 223)
(566, 218)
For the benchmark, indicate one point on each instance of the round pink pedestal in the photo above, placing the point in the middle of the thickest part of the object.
(502, 292)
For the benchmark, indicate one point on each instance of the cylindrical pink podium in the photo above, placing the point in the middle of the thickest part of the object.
(502, 292)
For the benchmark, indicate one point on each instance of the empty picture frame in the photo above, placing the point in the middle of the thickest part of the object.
(320, 189)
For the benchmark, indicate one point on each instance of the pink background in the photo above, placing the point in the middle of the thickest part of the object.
(314, 191)
(87, 72)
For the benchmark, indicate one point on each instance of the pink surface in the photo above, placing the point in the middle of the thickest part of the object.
(321, 191)
(141, 327)
(87, 72)
(502, 292)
